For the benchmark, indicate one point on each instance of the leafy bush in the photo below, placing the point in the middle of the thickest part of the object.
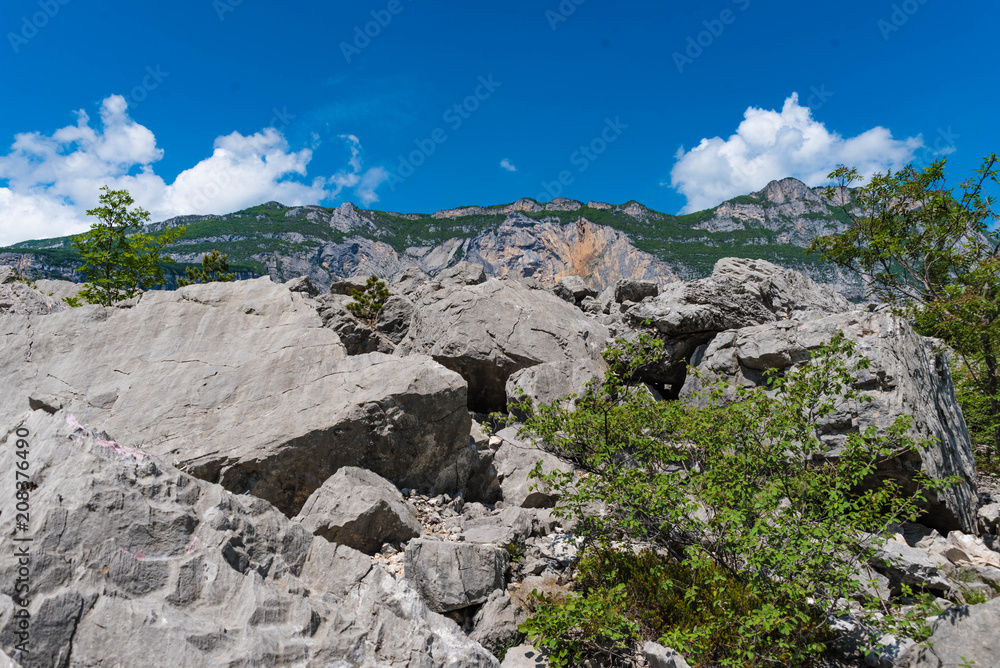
(368, 303)
(750, 540)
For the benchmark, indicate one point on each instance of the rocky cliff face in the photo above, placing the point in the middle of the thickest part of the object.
(797, 213)
(598, 241)
(547, 251)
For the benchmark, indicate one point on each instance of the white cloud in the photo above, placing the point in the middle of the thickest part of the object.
(53, 179)
(506, 164)
(771, 145)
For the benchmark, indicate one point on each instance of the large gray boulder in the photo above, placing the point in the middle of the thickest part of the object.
(962, 635)
(739, 293)
(452, 576)
(488, 330)
(359, 509)
(908, 376)
(240, 384)
(135, 563)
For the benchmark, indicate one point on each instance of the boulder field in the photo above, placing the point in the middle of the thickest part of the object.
(246, 474)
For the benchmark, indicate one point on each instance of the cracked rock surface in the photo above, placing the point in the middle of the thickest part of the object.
(239, 383)
(135, 563)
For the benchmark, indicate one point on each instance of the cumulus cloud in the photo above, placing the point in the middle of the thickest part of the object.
(771, 145)
(506, 164)
(51, 180)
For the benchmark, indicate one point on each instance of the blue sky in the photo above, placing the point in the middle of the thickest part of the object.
(208, 106)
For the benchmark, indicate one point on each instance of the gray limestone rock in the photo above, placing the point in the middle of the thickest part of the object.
(357, 337)
(989, 518)
(514, 461)
(961, 635)
(304, 285)
(360, 509)
(525, 656)
(240, 384)
(907, 565)
(658, 656)
(347, 286)
(393, 320)
(512, 525)
(451, 576)
(739, 293)
(495, 624)
(631, 290)
(463, 273)
(573, 289)
(908, 376)
(135, 563)
(487, 331)
(543, 384)
(18, 298)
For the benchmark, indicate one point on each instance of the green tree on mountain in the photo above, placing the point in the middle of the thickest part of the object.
(213, 269)
(120, 260)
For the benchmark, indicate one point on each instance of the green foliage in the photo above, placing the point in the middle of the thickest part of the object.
(213, 268)
(73, 302)
(368, 303)
(935, 255)
(974, 597)
(119, 259)
(694, 604)
(752, 538)
(591, 625)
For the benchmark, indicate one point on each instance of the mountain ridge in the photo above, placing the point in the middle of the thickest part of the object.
(525, 238)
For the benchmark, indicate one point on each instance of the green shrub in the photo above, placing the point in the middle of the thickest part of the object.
(588, 626)
(752, 542)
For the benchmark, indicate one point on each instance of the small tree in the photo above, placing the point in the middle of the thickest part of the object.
(119, 259)
(368, 303)
(936, 256)
(213, 269)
